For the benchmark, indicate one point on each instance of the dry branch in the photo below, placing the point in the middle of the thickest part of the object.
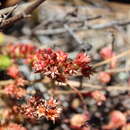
(110, 88)
(96, 27)
(117, 70)
(77, 39)
(6, 10)
(109, 60)
(23, 14)
(76, 84)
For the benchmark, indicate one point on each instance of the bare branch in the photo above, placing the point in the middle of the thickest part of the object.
(22, 15)
(6, 10)
(96, 27)
(77, 39)
(125, 53)
(92, 88)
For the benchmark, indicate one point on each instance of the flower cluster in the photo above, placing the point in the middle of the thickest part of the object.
(20, 50)
(13, 71)
(57, 65)
(12, 126)
(37, 108)
(15, 89)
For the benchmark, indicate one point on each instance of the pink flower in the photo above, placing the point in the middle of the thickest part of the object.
(104, 77)
(14, 91)
(98, 96)
(82, 59)
(106, 53)
(77, 121)
(13, 71)
(61, 56)
(117, 120)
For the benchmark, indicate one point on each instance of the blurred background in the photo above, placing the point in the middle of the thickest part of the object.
(101, 28)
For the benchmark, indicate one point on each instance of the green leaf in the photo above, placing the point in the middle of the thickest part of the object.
(5, 62)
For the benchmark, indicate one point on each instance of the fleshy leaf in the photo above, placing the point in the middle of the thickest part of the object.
(5, 62)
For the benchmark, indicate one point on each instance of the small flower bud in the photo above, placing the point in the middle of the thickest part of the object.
(117, 119)
(78, 120)
(104, 77)
(98, 96)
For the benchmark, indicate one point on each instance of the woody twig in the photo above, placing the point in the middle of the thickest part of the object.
(23, 14)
